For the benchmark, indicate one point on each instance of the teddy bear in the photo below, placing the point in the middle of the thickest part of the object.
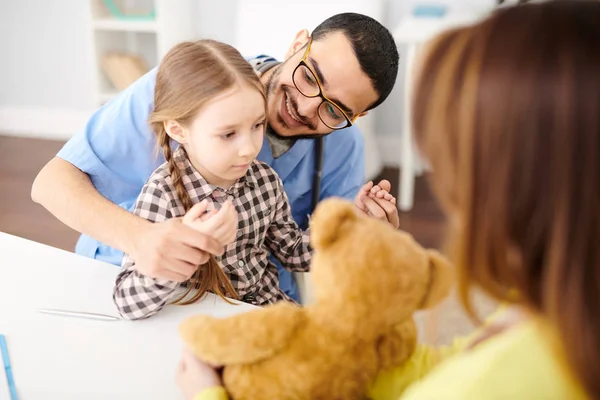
(368, 281)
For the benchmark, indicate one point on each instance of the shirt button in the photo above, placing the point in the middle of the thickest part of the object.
(240, 263)
(249, 298)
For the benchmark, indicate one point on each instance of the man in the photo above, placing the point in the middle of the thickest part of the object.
(346, 67)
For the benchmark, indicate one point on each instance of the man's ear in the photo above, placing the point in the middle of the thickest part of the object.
(176, 131)
(441, 279)
(300, 40)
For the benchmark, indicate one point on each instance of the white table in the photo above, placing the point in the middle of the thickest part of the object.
(66, 358)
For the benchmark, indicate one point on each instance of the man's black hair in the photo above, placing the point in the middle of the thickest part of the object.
(373, 46)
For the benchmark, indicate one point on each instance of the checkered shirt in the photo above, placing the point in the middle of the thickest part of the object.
(265, 227)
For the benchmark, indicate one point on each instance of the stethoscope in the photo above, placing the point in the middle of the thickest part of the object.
(316, 183)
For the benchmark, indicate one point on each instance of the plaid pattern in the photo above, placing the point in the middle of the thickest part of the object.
(265, 227)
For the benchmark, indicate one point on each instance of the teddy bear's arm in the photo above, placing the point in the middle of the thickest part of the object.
(396, 346)
(243, 338)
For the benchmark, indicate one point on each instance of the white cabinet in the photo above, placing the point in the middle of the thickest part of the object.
(147, 35)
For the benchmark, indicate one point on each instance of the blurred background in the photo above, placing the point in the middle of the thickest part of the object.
(63, 59)
(55, 53)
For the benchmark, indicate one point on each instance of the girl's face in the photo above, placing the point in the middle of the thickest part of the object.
(225, 136)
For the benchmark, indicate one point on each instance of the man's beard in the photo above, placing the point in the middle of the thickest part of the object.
(271, 89)
(273, 132)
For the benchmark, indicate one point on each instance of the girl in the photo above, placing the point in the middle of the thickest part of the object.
(508, 113)
(209, 120)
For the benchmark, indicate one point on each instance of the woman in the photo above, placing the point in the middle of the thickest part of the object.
(508, 113)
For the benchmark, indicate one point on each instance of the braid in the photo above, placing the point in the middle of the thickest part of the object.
(165, 143)
(210, 276)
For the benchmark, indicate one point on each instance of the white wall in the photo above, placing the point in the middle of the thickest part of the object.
(45, 58)
(216, 19)
(45, 68)
(389, 112)
(46, 71)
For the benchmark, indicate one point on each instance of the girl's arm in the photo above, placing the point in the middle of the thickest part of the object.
(136, 295)
(286, 241)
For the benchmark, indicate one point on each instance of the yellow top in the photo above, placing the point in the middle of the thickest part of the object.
(520, 363)
(215, 393)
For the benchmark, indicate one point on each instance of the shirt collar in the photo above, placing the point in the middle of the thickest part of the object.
(190, 175)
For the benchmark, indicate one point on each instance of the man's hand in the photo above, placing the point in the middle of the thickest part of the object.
(376, 201)
(221, 224)
(194, 376)
(172, 250)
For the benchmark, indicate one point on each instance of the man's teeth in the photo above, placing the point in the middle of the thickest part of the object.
(289, 109)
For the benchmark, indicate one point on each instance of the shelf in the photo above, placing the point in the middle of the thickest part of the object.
(139, 32)
(111, 24)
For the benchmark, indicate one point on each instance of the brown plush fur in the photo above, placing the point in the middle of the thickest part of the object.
(369, 280)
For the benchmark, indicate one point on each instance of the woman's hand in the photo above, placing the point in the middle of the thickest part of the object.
(194, 376)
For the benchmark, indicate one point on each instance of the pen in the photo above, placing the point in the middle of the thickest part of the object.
(8, 369)
(79, 314)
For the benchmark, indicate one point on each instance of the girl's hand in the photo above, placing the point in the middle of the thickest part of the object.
(221, 224)
(376, 201)
(359, 200)
(194, 376)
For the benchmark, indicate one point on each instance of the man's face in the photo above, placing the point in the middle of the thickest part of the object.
(292, 114)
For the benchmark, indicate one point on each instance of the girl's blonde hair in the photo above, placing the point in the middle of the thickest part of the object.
(189, 76)
(508, 113)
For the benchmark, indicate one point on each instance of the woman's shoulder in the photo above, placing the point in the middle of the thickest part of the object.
(519, 364)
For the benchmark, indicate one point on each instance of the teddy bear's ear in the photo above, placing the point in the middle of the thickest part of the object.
(328, 218)
(441, 279)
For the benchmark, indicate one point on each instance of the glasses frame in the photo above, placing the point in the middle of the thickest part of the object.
(324, 99)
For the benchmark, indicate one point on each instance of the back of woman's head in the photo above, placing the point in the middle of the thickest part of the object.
(508, 113)
(189, 76)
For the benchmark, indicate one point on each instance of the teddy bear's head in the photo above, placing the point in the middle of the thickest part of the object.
(364, 268)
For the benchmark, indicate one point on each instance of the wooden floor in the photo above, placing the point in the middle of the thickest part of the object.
(21, 159)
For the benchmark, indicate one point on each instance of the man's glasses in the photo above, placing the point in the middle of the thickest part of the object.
(308, 84)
